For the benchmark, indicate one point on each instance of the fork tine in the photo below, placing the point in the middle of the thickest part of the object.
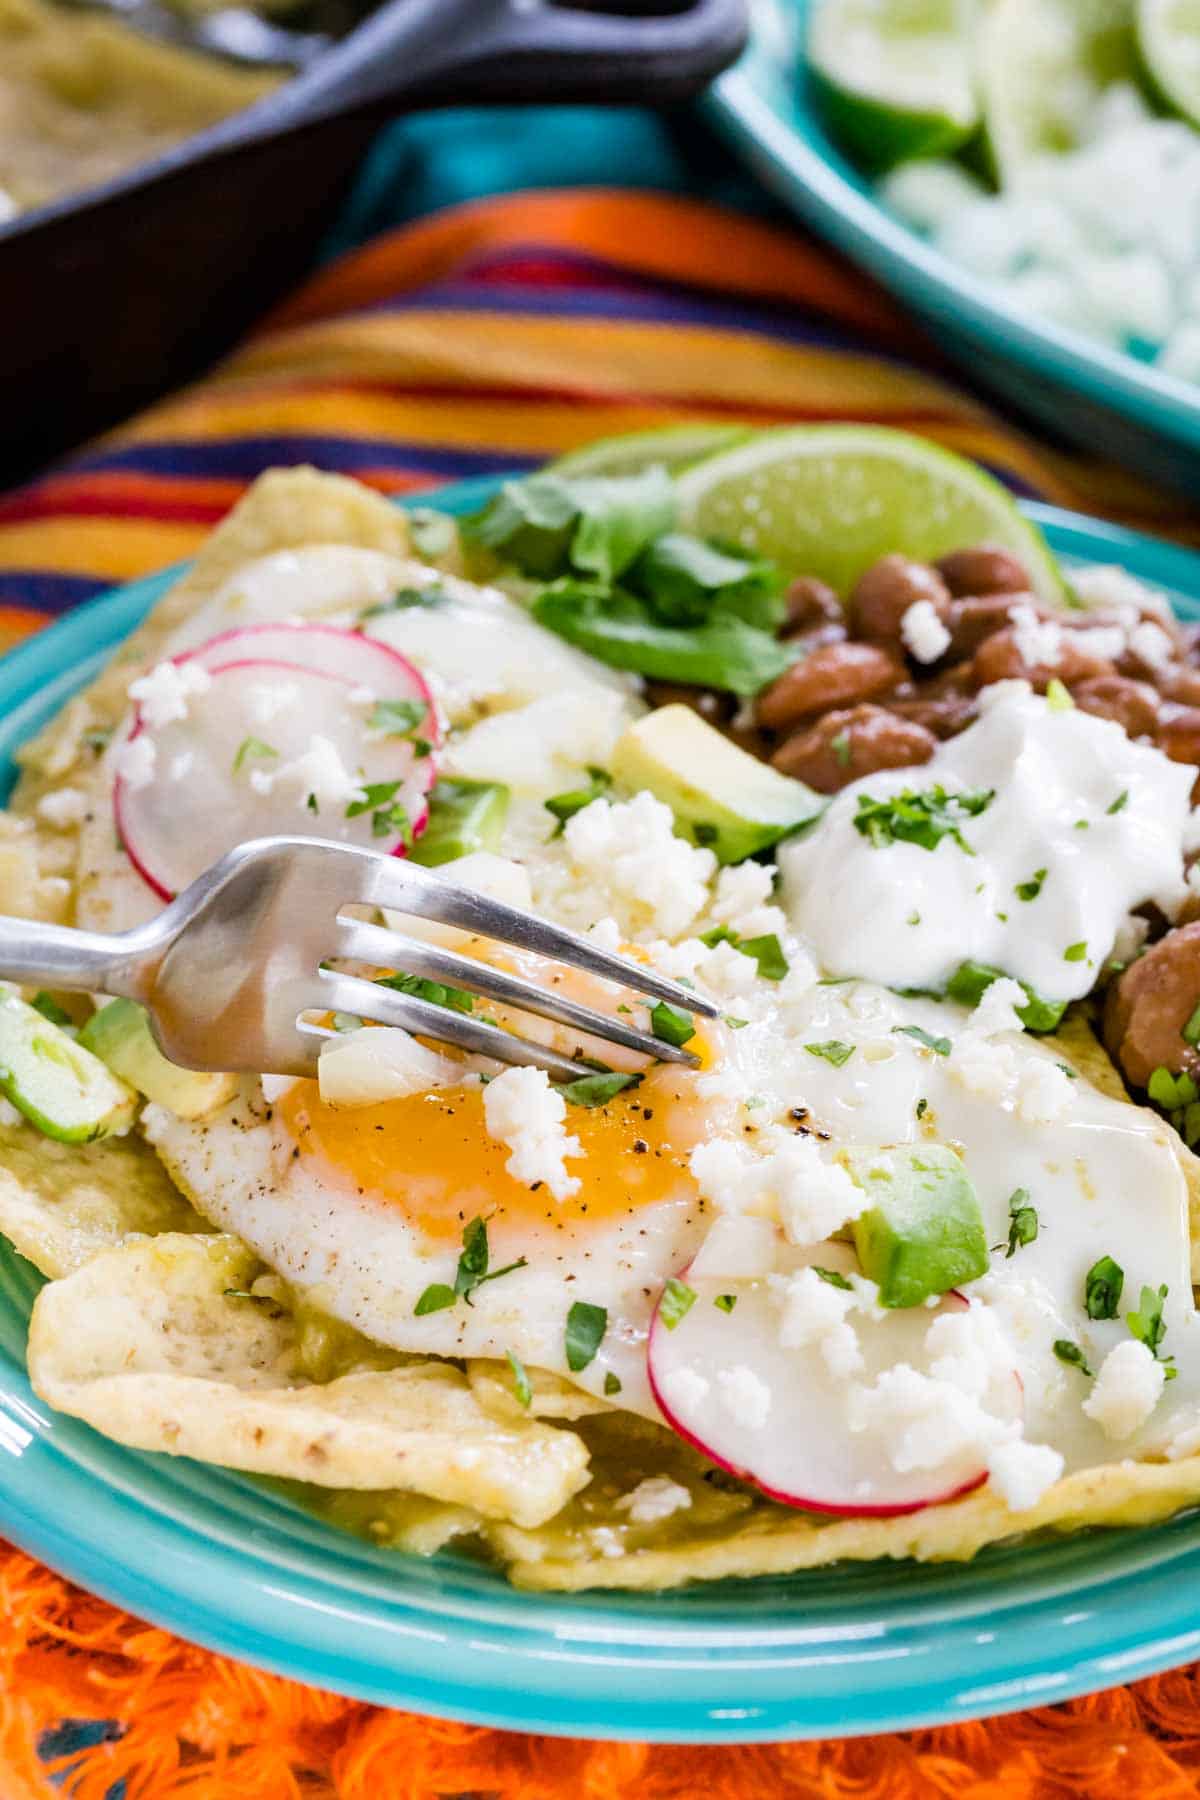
(406, 887)
(367, 1000)
(391, 950)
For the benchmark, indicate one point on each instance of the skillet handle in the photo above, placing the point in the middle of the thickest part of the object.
(578, 53)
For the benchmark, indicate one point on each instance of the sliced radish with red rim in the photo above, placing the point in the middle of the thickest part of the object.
(302, 730)
(716, 1369)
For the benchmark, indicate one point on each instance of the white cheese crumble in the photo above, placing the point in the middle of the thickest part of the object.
(923, 1422)
(1109, 585)
(319, 771)
(789, 1181)
(743, 901)
(685, 1390)
(1126, 1389)
(135, 759)
(63, 809)
(270, 698)
(653, 1500)
(1021, 1472)
(523, 1112)
(744, 1396)
(163, 693)
(1151, 644)
(924, 633)
(814, 1311)
(1039, 641)
(637, 869)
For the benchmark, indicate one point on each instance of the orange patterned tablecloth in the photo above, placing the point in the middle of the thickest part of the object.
(486, 338)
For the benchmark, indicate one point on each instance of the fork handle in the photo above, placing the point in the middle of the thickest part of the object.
(58, 956)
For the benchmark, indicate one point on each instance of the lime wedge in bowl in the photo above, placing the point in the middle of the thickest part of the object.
(676, 447)
(1168, 37)
(893, 77)
(829, 500)
(1041, 66)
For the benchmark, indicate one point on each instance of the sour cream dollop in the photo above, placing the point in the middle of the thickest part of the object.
(1081, 825)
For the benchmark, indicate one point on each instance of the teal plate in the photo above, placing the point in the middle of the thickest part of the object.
(1075, 385)
(826, 1653)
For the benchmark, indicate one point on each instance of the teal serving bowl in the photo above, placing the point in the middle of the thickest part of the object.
(827, 1653)
(1075, 387)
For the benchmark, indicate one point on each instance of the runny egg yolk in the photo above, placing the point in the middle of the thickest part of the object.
(430, 1155)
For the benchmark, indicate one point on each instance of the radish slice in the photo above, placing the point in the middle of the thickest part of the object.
(299, 745)
(705, 1375)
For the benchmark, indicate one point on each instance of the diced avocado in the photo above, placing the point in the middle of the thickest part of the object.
(463, 816)
(924, 1234)
(119, 1034)
(59, 1085)
(721, 796)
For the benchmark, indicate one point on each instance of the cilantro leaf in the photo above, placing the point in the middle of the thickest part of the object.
(1191, 1031)
(252, 748)
(725, 1302)
(1075, 952)
(521, 1385)
(1146, 1324)
(598, 524)
(677, 1301)
(971, 980)
(473, 1268)
(436, 1298)
(920, 816)
(403, 600)
(435, 992)
(1119, 804)
(671, 1024)
(833, 1051)
(586, 1326)
(598, 1089)
(1072, 1355)
(1102, 1288)
(565, 806)
(612, 1384)
(686, 579)
(1029, 890)
(834, 1277)
(941, 1046)
(396, 718)
(767, 951)
(1022, 1222)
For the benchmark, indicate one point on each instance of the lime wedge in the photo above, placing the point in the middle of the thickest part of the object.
(674, 446)
(1168, 35)
(1041, 66)
(829, 500)
(893, 77)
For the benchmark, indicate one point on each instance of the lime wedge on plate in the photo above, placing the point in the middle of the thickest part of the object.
(893, 77)
(829, 500)
(1041, 66)
(1168, 35)
(674, 446)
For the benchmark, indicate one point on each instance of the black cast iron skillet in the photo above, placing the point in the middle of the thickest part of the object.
(111, 296)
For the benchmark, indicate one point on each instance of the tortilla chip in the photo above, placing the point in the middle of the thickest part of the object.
(62, 1204)
(774, 1540)
(551, 1396)
(158, 1346)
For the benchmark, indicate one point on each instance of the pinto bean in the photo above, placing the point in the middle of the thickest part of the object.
(984, 569)
(944, 715)
(810, 602)
(975, 617)
(1133, 704)
(1149, 1005)
(853, 741)
(999, 658)
(1180, 683)
(1179, 732)
(833, 675)
(883, 595)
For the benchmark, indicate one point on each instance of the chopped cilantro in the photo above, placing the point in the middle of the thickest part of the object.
(921, 817)
(1102, 1288)
(834, 1277)
(435, 992)
(521, 1387)
(914, 918)
(971, 981)
(387, 813)
(436, 1298)
(403, 599)
(311, 804)
(612, 1383)
(1022, 1221)
(1075, 952)
(1191, 1031)
(1171, 1091)
(672, 1024)
(1058, 698)
(396, 718)
(832, 1050)
(677, 1301)
(1029, 890)
(922, 1108)
(49, 1008)
(1070, 1353)
(565, 806)
(598, 1089)
(1119, 804)
(1146, 1323)
(940, 1045)
(252, 749)
(473, 1268)
(586, 1326)
(725, 1302)
(840, 745)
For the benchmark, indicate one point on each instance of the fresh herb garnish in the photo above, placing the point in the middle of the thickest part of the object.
(1029, 890)
(1102, 1288)
(914, 918)
(921, 817)
(725, 1302)
(387, 813)
(1191, 1031)
(598, 1089)
(1147, 1324)
(686, 581)
(672, 1024)
(834, 1277)
(1171, 1091)
(1075, 952)
(586, 1326)
(521, 1386)
(832, 1050)
(50, 1010)
(767, 951)
(396, 718)
(252, 749)
(565, 806)
(922, 1108)
(1058, 698)
(344, 1021)
(98, 737)
(1119, 804)
(677, 1301)
(941, 1046)
(1022, 1221)
(612, 1384)
(311, 803)
(403, 600)
(436, 1298)
(548, 523)
(840, 745)
(472, 1272)
(971, 981)
(437, 993)
(1071, 1354)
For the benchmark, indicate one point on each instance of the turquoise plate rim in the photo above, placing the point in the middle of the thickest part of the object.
(762, 105)
(833, 1652)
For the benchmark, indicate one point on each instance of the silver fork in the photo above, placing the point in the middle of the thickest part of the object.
(229, 969)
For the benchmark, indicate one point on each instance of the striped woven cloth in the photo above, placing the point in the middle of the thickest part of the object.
(480, 339)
